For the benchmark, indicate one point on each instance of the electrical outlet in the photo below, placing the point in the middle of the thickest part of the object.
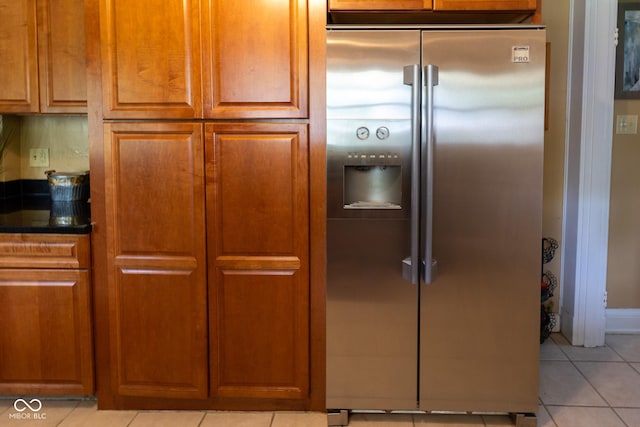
(626, 124)
(39, 157)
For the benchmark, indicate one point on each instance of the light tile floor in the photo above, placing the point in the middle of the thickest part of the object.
(579, 387)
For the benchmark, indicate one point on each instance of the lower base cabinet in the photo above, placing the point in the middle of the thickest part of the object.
(207, 244)
(46, 333)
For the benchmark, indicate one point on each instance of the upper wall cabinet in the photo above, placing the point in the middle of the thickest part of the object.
(150, 59)
(435, 5)
(255, 59)
(252, 63)
(18, 57)
(380, 4)
(49, 34)
(62, 56)
(485, 5)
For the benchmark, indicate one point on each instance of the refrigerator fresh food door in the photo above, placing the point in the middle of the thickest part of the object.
(479, 320)
(372, 312)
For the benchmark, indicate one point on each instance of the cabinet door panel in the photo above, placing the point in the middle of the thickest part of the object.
(156, 251)
(258, 237)
(258, 182)
(261, 334)
(485, 5)
(161, 333)
(45, 338)
(19, 57)
(150, 59)
(255, 59)
(379, 4)
(61, 44)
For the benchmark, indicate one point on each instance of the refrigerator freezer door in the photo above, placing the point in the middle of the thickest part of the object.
(365, 73)
(479, 318)
(372, 312)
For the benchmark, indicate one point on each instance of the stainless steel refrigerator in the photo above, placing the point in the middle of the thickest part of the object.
(434, 181)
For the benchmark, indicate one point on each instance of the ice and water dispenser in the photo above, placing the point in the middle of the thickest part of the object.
(366, 161)
(372, 186)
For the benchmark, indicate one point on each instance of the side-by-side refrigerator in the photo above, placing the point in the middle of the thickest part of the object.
(434, 191)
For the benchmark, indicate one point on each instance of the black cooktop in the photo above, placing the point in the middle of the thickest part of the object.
(33, 211)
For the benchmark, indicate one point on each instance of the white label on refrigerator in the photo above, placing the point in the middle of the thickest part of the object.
(520, 54)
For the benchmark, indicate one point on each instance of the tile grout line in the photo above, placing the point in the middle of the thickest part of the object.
(204, 415)
(573, 363)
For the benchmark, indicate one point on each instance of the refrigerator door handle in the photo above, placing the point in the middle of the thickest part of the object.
(411, 265)
(430, 264)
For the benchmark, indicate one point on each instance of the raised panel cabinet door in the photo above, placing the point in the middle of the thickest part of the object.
(46, 335)
(255, 59)
(62, 55)
(154, 176)
(485, 5)
(380, 4)
(258, 246)
(18, 57)
(150, 59)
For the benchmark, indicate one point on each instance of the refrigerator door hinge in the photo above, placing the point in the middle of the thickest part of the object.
(605, 299)
(615, 36)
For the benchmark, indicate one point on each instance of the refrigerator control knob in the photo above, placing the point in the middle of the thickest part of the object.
(362, 133)
(382, 132)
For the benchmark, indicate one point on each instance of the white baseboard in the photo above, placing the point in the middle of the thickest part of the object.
(622, 320)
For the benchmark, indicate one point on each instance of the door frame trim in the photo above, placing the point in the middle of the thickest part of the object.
(588, 170)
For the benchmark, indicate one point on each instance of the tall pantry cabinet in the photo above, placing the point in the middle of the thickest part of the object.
(203, 129)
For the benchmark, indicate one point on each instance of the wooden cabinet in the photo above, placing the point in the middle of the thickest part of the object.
(18, 56)
(204, 253)
(62, 56)
(258, 245)
(435, 5)
(256, 59)
(46, 335)
(485, 5)
(150, 59)
(42, 56)
(156, 259)
(251, 65)
(255, 303)
(380, 4)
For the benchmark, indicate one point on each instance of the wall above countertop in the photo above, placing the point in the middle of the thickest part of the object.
(65, 137)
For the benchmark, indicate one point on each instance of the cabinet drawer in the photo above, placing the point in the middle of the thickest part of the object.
(45, 251)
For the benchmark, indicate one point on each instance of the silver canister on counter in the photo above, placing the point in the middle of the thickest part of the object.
(68, 186)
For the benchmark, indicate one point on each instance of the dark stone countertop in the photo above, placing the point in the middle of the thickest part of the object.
(36, 213)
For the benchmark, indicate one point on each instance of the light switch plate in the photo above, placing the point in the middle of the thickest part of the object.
(626, 124)
(39, 157)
